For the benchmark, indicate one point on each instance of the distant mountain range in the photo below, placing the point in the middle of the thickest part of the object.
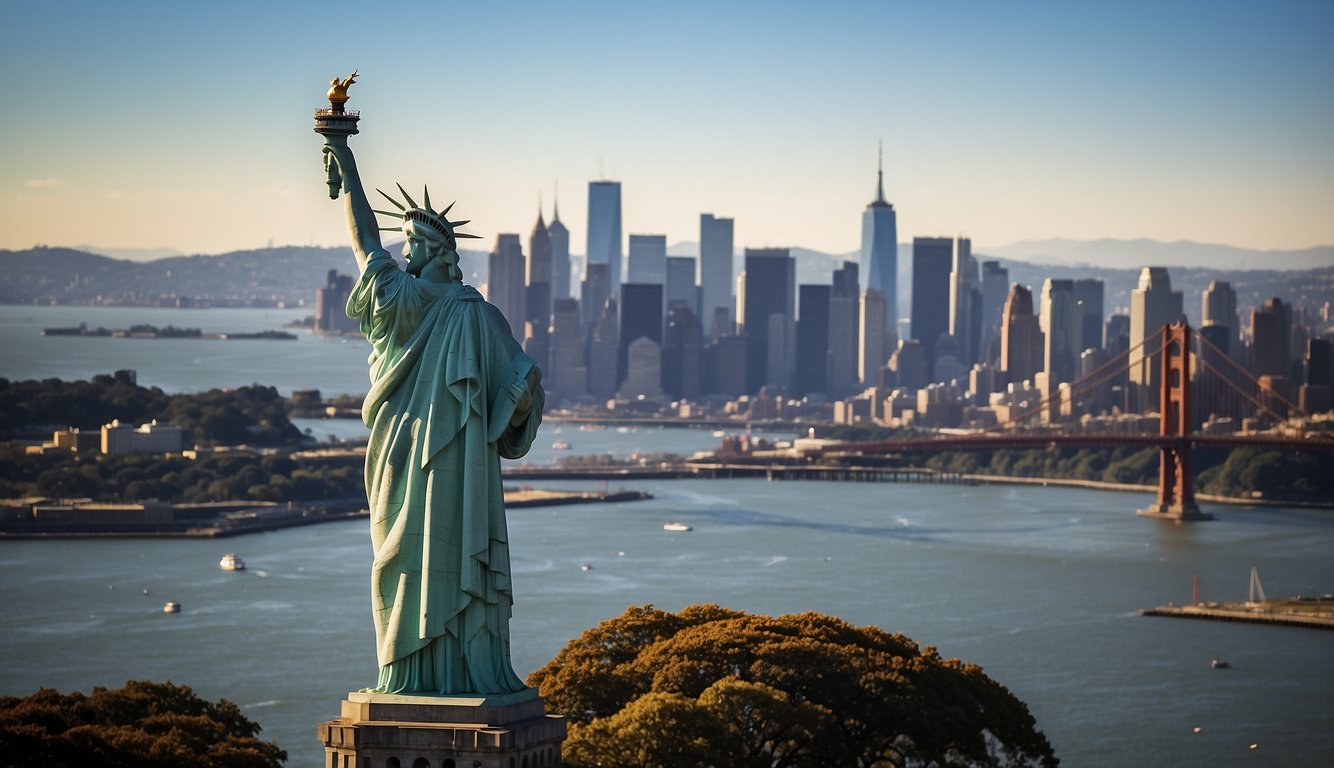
(290, 275)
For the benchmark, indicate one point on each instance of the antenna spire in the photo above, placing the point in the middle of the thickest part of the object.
(880, 174)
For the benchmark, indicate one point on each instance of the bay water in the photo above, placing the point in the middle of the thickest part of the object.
(1040, 586)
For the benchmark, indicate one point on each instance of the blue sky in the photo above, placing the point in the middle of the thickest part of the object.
(189, 125)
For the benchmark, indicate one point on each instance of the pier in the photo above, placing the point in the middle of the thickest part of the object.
(1314, 613)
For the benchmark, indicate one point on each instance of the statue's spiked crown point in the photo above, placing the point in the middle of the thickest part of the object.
(424, 216)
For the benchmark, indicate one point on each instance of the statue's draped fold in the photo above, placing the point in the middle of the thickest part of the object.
(446, 375)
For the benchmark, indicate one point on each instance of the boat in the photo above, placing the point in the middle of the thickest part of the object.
(171, 606)
(1218, 664)
(230, 562)
(673, 526)
(585, 567)
(560, 445)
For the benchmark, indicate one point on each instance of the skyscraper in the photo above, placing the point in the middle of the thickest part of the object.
(1021, 337)
(965, 302)
(539, 274)
(648, 259)
(1271, 329)
(504, 282)
(813, 349)
(604, 230)
(932, 259)
(1152, 305)
(1220, 307)
(682, 353)
(681, 288)
(560, 256)
(879, 254)
(715, 275)
(1088, 308)
(995, 287)
(872, 354)
(569, 373)
(844, 339)
(603, 348)
(641, 318)
(770, 289)
(1060, 327)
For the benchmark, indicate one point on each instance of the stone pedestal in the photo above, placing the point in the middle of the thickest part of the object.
(1176, 512)
(380, 730)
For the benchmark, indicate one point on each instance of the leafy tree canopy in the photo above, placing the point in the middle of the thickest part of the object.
(143, 725)
(712, 686)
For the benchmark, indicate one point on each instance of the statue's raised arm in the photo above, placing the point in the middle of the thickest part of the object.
(336, 124)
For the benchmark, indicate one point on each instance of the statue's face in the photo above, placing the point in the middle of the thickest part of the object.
(417, 251)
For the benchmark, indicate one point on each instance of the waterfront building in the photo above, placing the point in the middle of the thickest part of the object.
(872, 330)
(681, 288)
(1059, 320)
(879, 252)
(152, 437)
(813, 348)
(1021, 337)
(504, 282)
(995, 287)
(932, 259)
(647, 262)
(715, 275)
(539, 274)
(965, 302)
(770, 284)
(331, 305)
(641, 318)
(569, 371)
(603, 350)
(604, 231)
(1089, 294)
(561, 273)
(1153, 304)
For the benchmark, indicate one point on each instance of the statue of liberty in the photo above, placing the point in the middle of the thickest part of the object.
(451, 393)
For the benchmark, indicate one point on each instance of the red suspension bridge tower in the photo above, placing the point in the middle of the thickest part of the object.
(1176, 493)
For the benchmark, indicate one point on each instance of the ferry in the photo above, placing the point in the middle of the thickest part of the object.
(171, 606)
(230, 562)
(674, 526)
(560, 445)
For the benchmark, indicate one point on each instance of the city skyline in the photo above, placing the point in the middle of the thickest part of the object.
(149, 126)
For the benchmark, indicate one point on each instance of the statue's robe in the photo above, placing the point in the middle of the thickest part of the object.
(446, 374)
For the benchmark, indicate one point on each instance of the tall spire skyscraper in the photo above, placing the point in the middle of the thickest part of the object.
(880, 258)
(560, 254)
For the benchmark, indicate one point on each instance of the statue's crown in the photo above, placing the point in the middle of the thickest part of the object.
(424, 215)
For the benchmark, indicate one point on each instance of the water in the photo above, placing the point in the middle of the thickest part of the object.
(335, 365)
(1038, 585)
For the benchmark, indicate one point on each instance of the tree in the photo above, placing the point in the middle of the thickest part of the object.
(651, 688)
(142, 725)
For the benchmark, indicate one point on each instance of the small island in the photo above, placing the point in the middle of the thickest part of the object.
(145, 331)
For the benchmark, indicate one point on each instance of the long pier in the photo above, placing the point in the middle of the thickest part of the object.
(725, 470)
(1287, 613)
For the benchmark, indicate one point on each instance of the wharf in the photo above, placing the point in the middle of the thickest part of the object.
(1315, 613)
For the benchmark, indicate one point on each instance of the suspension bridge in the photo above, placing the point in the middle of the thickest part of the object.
(1204, 398)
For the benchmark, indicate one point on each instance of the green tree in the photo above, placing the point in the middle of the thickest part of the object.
(801, 690)
(142, 725)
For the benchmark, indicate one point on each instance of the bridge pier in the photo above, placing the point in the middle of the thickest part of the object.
(1176, 484)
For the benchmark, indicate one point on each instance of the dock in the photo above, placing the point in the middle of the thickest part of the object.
(1310, 612)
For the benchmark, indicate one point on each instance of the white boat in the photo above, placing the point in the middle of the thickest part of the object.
(171, 606)
(585, 567)
(673, 526)
(230, 562)
(560, 445)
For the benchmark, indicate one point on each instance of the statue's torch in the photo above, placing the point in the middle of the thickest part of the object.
(336, 121)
